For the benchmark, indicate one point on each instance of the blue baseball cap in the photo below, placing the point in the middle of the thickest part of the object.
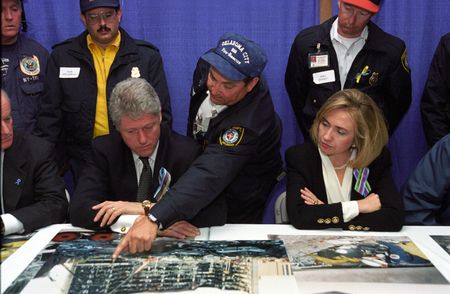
(91, 4)
(237, 57)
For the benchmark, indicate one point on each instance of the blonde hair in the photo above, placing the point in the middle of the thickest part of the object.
(371, 133)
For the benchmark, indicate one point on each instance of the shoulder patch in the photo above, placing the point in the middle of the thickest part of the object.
(231, 137)
(404, 59)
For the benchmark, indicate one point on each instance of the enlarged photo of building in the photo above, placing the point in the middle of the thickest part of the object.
(359, 259)
(85, 266)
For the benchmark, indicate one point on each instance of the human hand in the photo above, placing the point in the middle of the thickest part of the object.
(181, 230)
(108, 211)
(139, 238)
(369, 204)
(309, 197)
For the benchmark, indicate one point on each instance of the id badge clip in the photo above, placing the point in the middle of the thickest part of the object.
(318, 59)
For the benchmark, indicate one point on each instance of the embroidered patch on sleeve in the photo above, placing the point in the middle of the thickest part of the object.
(231, 137)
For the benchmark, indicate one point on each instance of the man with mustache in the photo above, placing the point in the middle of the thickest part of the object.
(348, 51)
(32, 193)
(82, 72)
(23, 67)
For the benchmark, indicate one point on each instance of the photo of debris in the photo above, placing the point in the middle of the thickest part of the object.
(359, 258)
(443, 241)
(84, 265)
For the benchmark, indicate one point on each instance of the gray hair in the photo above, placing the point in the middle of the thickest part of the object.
(133, 97)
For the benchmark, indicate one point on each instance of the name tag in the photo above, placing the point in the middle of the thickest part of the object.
(318, 60)
(69, 72)
(324, 77)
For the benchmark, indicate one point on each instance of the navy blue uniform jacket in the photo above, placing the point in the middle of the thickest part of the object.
(242, 173)
(68, 106)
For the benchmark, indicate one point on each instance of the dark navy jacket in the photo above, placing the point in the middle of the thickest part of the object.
(427, 191)
(435, 103)
(23, 77)
(389, 83)
(68, 106)
(243, 174)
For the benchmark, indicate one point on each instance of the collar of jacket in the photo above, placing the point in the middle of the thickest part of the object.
(375, 38)
(128, 51)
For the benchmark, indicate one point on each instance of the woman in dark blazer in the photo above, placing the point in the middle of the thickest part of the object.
(343, 178)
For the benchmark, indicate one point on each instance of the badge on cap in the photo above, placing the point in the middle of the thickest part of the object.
(231, 137)
(29, 65)
(135, 73)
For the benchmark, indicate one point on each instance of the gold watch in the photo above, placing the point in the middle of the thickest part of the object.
(146, 204)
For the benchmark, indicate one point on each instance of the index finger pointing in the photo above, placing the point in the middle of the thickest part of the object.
(123, 246)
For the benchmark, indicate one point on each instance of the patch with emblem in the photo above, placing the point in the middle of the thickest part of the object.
(405, 61)
(135, 73)
(232, 136)
(29, 65)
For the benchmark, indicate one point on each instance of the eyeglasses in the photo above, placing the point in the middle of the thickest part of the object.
(350, 10)
(97, 17)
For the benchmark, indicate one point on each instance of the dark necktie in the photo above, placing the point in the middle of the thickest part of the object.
(144, 181)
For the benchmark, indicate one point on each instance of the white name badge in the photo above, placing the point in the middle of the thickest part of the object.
(69, 72)
(324, 77)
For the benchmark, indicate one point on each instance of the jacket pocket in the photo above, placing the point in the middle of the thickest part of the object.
(32, 88)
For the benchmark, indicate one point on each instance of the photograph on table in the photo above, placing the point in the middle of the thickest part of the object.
(36, 268)
(443, 241)
(84, 265)
(384, 259)
(11, 243)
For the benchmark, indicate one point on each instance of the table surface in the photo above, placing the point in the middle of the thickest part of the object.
(420, 235)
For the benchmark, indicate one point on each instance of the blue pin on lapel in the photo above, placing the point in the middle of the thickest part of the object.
(17, 182)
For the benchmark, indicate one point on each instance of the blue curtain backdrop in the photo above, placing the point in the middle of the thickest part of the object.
(183, 30)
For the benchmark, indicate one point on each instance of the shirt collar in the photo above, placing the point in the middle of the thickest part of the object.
(334, 35)
(151, 157)
(115, 43)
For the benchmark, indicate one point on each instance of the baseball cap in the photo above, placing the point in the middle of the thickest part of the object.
(369, 5)
(237, 57)
(91, 4)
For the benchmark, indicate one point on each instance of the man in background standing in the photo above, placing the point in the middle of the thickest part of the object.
(23, 67)
(348, 51)
(82, 72)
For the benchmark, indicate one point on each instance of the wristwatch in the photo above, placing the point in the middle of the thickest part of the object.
(146, 204)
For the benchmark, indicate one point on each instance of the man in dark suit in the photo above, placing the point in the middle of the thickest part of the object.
(110, 188)
(32, 193)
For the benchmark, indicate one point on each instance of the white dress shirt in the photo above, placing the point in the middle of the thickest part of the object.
(346, 49)
(125, 221)
(337, 193)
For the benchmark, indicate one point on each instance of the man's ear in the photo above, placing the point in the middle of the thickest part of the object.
(83, 18)
(252, 84)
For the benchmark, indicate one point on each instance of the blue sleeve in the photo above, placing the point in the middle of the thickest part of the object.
(428, 186)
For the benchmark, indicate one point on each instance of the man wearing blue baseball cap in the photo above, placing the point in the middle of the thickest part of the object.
(82, 74)
(348, 51)
(232, 115)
